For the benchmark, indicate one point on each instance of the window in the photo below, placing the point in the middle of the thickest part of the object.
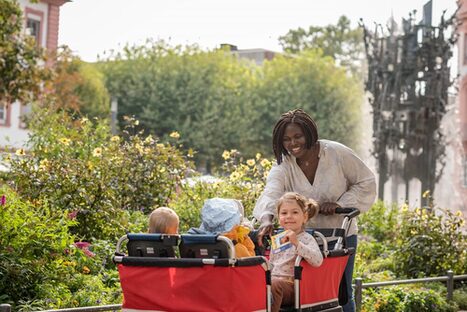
(34, 29)
(34, 23)
(4, 114)
(25, 112)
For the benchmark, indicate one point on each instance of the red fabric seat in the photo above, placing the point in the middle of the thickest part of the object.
(321, 284)
(204, 289)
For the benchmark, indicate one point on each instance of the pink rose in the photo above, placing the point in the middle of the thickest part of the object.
(72, 215)
(82, 245)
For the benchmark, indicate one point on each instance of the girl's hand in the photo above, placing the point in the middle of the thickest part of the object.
(328, 208)
(291, 237)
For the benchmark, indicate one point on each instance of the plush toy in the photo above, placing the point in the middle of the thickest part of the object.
(244, 246)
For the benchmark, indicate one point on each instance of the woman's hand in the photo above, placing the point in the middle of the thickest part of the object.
(265, 229)
(328, 208)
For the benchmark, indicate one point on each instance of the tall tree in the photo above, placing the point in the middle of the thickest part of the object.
(340, 41)
(79, 87)
(21, 60)
(218, 102)
(202, 95)
(313, 82)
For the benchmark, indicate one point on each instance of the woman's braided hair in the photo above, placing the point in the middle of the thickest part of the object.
(299, 117)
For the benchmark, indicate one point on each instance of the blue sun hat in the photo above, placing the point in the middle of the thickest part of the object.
(220, 215)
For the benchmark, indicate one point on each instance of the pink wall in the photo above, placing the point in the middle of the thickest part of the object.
(52, 30)
(462, 101)
(53, 17)
(462, 29)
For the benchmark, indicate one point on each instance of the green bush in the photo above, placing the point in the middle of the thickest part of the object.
(32, 243)
(427, 301)
(460, 297)
(411, 242)
(240, 179)
(405, 299)
(382, 300)
(375, 253)
(430, 242)
(78, 166)
(374, 261)
(40, 266)
(379, 222)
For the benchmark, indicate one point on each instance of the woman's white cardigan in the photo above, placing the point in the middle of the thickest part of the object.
(341, 177)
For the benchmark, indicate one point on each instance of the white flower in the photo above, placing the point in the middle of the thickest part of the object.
(97, 152)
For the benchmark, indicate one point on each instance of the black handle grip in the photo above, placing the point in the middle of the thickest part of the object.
(344, 210)
(350, 212)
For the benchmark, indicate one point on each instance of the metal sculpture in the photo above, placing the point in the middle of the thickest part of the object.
(408, 79)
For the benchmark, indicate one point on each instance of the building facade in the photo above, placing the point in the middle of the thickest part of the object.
(40, 20)
(460, 175)
(259, 56)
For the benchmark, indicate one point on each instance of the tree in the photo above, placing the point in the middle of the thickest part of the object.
(313, 82)
(79, 87)
(21, 60)
(341, 42)
(202, 95)
(217, 102)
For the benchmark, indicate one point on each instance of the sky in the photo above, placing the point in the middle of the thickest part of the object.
(91, 27)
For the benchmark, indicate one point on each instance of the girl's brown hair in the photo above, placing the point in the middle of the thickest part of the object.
(308, 205)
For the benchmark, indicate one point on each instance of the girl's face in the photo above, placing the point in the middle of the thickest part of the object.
(291, 216)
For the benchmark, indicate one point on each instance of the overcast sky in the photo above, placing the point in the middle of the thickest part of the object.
(91, 27)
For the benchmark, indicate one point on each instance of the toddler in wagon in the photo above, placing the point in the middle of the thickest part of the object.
(293, 211)
(163, 220)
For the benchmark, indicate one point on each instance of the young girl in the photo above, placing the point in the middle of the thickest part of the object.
(293, 210)
(163, 220)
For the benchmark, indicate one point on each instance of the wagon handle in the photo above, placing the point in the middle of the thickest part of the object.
(120, 242)
(350, 212)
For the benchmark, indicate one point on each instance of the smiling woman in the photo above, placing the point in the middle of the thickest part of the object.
(324, 170)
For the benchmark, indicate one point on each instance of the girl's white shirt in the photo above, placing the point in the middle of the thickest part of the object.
(283, 262)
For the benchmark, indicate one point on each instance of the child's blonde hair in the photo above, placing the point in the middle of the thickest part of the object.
(308, 205)
(161, 219)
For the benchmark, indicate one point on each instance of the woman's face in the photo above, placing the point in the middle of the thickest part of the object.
(294, 140)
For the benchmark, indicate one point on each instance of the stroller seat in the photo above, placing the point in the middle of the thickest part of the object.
(150, 245)
(195, 284)
(318, 289)
(203, 246)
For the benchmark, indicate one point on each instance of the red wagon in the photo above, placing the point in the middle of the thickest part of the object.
(201, 273)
